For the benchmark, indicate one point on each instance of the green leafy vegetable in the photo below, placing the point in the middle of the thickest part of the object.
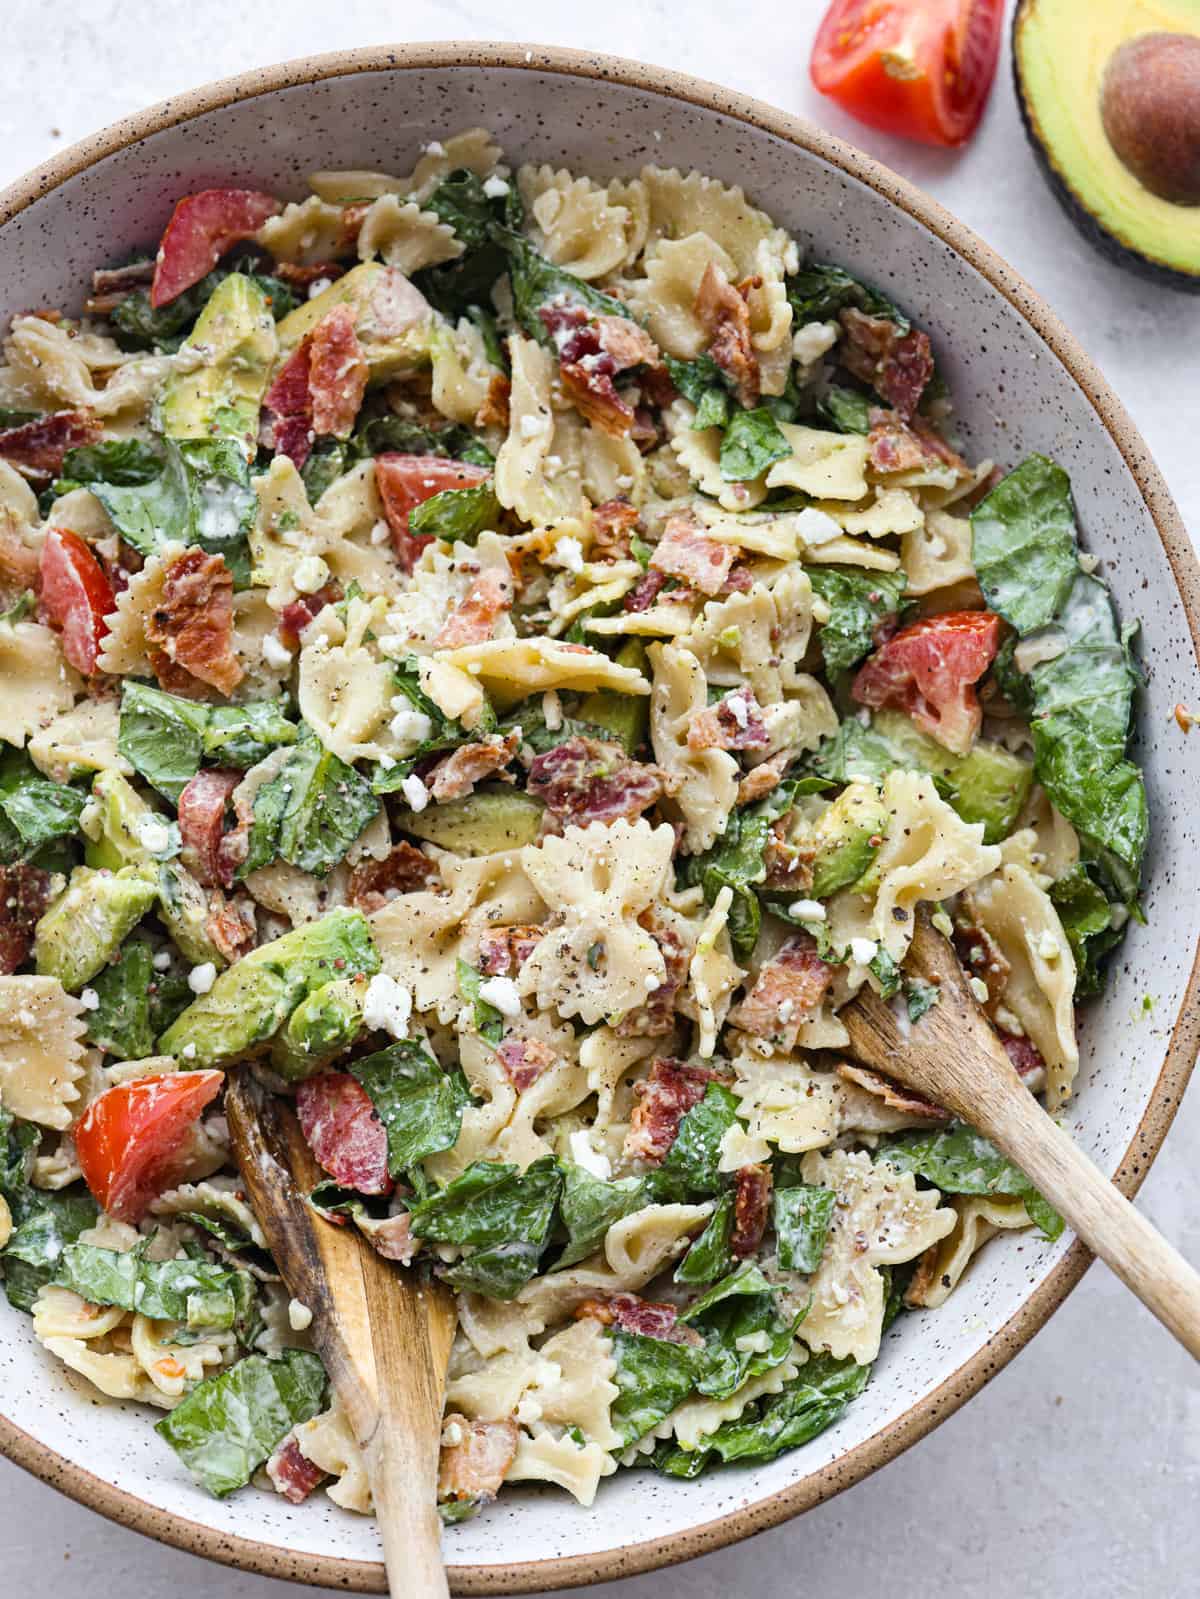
(958, 1160)
(802, 1215)
(1024, 544)
(691, 1166)
(536, 281)
(162, 736)
(140, 326)
(122, 462)
(419, 1103)
(737, 861)
(819, 291)
(506, 1213)
(446, 735)
(846, 410)
(743, 1332)
(858, 603)
(120, 1023)
(489, 1022)
(196, 1292)
(589, 1208)
(752, 442)
(1089, 924)
(396, 433)
(457, 514)
(653, 1376)
(311, 812)
(710, 1256)
(919, 997)
(228, 1425)
(243, 735)
(33, 810)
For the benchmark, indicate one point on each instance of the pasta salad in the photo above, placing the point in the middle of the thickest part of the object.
(503, 656)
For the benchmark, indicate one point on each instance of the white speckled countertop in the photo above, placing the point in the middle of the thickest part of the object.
(1077, 1471)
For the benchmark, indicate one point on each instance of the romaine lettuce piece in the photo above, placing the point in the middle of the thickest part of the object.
(590, 1206)
(198, 1293)
(505, 1213)
(311, 812)
(419, 1102)
(959, 1160)
(858, 602)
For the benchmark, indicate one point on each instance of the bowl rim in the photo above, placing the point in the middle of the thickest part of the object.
(272, 1560)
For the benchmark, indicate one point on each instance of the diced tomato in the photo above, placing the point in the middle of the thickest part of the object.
(76, 596)
(201, 229)
(919, 68)
(128, 1139)
(928, 671)
(343, 1131)
(406, 481)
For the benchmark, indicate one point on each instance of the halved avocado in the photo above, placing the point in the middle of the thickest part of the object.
(1110, 94)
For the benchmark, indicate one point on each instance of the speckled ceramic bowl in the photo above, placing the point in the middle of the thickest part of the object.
(1021, 383)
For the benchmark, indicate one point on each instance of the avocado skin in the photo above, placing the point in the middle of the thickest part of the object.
(1098, 237)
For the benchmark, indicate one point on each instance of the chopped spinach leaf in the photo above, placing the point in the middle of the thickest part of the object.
(198, 1293)
(802, 1215)
(33, 809)
(958, 1160)
(1089, 924)
(536, 281)
(691, 1166)
(457, 515)
(311, 812)
(120, 1023)
(243, 735)
(506, 1213)
(710, 1256)
(737, 861)
(589, 1208)
(419, 1103)
(162, 736)
(752, 442)
(141, 326)
(489, 1022)
(846, 410)
(819, 291)
(654, 1376)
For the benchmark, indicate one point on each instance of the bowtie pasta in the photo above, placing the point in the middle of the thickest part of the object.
(505, 657)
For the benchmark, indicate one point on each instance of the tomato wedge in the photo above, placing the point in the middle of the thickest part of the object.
(201, 229)
(919, 68)
(406, 481)
(928, 671)
(129, 1139)
(77, 597)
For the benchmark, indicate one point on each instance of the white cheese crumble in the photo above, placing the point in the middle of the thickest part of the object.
(380, 533)
(162, 960)
(153, 834)
(410, 726)
(387, 1006)
(276, 653)
(567, 552)
(452, 1435)
(863, 950)
(582, 1153)
(310, 574)
(299, 1315)
(1048, 946)
(495, 187)
(552, 710)
(188, 1052)
(502, 993)
(787, 1009)
(816, 527)
(532, 427)
(435, 147)
(89, 999)
(202, 977)
(980, 990)
(807, 910)
(318, 286)
(810, 342)
(739, 710)
(942, 922)
(415, 793)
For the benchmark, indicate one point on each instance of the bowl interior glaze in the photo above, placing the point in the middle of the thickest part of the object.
(1020, 384)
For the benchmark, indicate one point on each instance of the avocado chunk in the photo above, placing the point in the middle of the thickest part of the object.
(123, 814)
(482, 823)
(323, 1024)
(251, 1001)
(87, 924)
(848, 834)
(183, 906)
(392, 319)
(1113, 114)
(989, 785)
(222, 370)
(625, 716)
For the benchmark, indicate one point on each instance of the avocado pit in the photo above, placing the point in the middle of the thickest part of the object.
(1150, 107)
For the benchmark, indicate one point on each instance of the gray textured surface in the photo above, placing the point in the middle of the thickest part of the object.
(1078, 1469)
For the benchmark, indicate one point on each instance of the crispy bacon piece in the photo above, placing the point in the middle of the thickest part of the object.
(685, 552)
(337, 373)
(474, 1468)
(406, 481)
(761, 779)
(787, 988)
(788, 860)
(202, 808)
(344, 1133)
(504, 950)
(612, 528)
(292, 1474)
(894, 1095)
(751, 1207)
(494, 412)
(645, 591)
(298, 275)
(36, 449)
(296, 615)
(474, 619)
(24, 895)
(740, 580)
(648, 1317)
(201, 229)
(587, 780)
(289, 402)
(656, 1015)
(456, 774)
(524, 1060)
(1027, 1058)
(723, 312)
(898, 366)
(734, 723)
(123, 279)
(230, 925)
(192, 625)
(404, 870)
(593, 350)
(980, 954)
(663, 1100)
(897, 445)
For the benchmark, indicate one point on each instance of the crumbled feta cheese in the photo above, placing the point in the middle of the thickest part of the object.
(568, 552)
(310, 574)
(816, 527)
(652, 984)
(739, 710)
(89, 999)
(1088, 563)
(495, 187)
(980, 990)
(807, 910)
(415, 793)
(452, 1435)
(533, 427)
(386, 761)
(435, 147)
(162, 960)
(408, 725)
(202, 977)
(942, 922)
(154, 834)
(299, 1315)
(387, 1006)
(318, 286)
(811, 342)
(755, 1343)
(552, 710)
(502, 993)
(188, 1052)
(276, 653)
(1048, 946)
(582, 1153)
(863, 950)
(380, 533)
(787, 1009)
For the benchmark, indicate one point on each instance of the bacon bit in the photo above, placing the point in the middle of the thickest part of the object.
(475, 618)
(296, 615)
(663, 1100)
(720, 727)
(201, 229)
(897, 445)
(123, 279)
(404, 870)
(613, 524)
(894, 1095)
(1026, 1058)
(724, 314)
(291, 1472)
(457, 773)
(788, 988)
(393, 1239)
(789, 861)
(230, 926)
(656, 1015)
(685, 552)
(475, 1468)
(202, 806)
(898, 366)
(494, 412)
(344, 1133)
(761, 779)
(289, 401)
(193, 622)
(24, 895)
(297, 276)
(587, 780)
(524, 1060)
(645, 432)
(406, 481)
(592, 351)
(36, 449)
(740, 580)
(645, 591)
(751, 1206)
(504, 950)
(337, 374)
(1184, 717)
(649, 1318)
(916, 1295)
(981, 955)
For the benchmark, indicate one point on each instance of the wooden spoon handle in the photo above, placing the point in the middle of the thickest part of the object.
(1100, 1214)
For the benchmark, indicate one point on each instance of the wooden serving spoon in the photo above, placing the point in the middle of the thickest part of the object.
(952, 1056)
(384, 1335)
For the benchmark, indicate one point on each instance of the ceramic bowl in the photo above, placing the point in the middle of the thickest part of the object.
(1021, 384)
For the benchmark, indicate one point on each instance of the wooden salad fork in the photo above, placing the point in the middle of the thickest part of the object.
(952, 1056)
(383, 1334)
